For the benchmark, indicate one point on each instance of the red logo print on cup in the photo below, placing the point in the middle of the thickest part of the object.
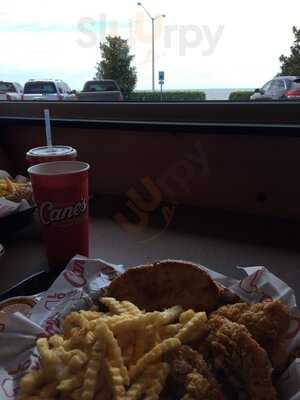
(49, 214)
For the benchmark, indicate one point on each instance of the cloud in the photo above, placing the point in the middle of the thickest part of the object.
(37, 27)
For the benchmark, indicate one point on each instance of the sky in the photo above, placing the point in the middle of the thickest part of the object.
(200, 44)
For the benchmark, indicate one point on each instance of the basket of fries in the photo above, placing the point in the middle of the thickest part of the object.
(162, 331)
(16, 203)
(14, 190)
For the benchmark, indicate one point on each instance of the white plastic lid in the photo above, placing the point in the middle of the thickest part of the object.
(52, 151)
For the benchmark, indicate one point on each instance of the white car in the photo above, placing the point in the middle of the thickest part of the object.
(10, 91)
(48, 90)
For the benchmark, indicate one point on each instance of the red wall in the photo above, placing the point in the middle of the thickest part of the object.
(251, 173)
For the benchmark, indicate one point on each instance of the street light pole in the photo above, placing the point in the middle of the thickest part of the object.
(153, 41)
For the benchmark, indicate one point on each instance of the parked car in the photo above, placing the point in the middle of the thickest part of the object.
(10, 91)
(102, 90)
(48, 90)
(280, 88)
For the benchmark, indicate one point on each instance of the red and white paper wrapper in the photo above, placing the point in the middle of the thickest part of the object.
(78, 286)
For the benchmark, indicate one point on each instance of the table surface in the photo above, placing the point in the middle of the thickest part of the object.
(219, 240)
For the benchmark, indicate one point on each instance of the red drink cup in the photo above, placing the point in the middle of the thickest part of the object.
(61, 193)
(44, 154)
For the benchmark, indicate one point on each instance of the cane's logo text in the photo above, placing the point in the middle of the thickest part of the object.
(49, 214)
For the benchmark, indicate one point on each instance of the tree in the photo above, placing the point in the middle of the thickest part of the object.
(116, 64)
(291, 65)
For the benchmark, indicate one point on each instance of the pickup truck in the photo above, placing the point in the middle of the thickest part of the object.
(101, 90)
(10, 91)
(48, 90)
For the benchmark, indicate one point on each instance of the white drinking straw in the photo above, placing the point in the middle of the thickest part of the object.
(48, 128)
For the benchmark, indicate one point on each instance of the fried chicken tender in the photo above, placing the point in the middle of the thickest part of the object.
(191, 376)
(242, 361)
(267, 322)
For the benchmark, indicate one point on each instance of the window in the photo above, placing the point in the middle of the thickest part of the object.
(278, 84)
(288, 83)
(6, 87)
(201, 52)
(267, 86)
(100, 86)
(40, 88)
